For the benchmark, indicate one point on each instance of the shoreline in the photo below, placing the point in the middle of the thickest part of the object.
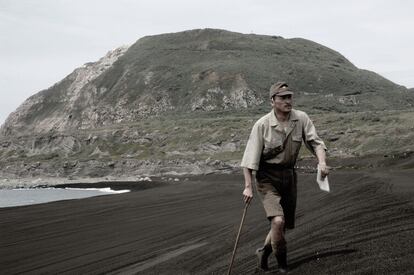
(39, 182)
(305, 165)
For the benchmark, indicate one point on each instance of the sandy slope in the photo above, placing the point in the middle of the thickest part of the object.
(365, 226)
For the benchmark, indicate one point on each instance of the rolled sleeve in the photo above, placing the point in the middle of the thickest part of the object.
(310, 137)
(254, 147)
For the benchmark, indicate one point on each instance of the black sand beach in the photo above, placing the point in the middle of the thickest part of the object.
(364, 226)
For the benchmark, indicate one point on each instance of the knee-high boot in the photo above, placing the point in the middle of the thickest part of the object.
(263, 254)
(280, 251)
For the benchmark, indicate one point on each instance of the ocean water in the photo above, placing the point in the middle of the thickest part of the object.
(18, 197)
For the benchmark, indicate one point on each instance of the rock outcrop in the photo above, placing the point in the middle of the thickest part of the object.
(55, 109)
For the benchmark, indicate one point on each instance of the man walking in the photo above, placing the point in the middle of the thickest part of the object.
(271, 151)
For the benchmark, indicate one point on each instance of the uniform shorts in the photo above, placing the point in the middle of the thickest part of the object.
(277, 189)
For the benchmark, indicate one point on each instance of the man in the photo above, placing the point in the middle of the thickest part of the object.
(271, 151)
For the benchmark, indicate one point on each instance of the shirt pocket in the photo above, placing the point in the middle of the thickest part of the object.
(296, 144)
(297, 138)
(272, 148)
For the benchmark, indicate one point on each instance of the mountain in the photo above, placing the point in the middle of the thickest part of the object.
(202, 70)
(184, 103)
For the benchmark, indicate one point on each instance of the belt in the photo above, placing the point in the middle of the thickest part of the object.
(275, 166)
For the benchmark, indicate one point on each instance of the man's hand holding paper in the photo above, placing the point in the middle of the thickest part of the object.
(322, 177)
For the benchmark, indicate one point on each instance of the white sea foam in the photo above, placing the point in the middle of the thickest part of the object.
(105, 190)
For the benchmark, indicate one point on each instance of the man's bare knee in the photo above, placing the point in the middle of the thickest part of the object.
(278, 222)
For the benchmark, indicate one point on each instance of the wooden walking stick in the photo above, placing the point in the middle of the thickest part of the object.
(238, 237)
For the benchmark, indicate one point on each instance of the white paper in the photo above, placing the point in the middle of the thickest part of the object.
(323, 183)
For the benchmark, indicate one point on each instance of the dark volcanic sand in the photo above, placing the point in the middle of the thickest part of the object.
(364, 226)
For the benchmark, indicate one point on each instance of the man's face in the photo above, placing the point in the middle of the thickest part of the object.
(282, 103)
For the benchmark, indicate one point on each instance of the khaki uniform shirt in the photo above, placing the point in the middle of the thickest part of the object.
(271, 143)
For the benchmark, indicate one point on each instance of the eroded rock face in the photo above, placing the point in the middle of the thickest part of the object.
(54, 143)
(71, 93)
(238, 96)
(348, 100)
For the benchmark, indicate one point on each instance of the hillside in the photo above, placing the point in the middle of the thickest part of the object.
(184, 103)
(203, 70)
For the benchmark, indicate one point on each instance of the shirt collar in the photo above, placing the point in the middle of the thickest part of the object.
(275, 122)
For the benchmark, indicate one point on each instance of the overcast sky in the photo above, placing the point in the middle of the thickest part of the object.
(42, 41)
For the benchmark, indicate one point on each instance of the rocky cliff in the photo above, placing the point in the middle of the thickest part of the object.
(52, 109)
